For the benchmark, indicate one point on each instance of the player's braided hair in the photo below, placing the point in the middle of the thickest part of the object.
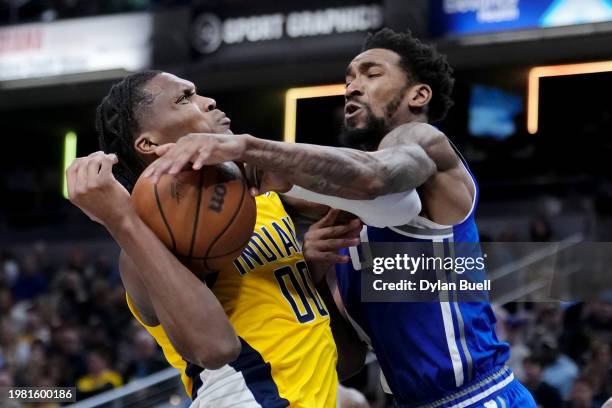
(422, 63)
(117, 124)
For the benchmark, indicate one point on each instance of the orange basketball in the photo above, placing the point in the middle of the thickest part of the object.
(204, 217)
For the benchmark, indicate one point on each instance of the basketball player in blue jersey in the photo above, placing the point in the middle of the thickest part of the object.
(432, 354)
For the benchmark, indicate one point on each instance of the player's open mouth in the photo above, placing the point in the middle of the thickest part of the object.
(351, 109)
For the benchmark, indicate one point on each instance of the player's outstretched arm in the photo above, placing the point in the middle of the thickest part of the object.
(163, 289)
(341, 172)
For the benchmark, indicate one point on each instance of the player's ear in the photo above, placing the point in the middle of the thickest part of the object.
(145, 143)
(419, 96)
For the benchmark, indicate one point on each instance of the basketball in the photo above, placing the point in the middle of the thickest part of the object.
(204, 217)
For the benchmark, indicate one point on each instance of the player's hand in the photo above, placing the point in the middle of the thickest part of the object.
(200, 149)
(324, 239)
(93, 188)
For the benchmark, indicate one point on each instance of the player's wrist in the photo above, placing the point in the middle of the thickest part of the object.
(122, 222)
(251, 145)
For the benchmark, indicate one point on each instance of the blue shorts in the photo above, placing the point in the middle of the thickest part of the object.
(513, 395)
(498, 390)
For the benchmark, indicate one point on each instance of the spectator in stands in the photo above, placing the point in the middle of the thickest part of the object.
(540, 230)
(10, 269)
(6, 301)
(99, 377)
(598, 370)
(71, 297)
(31, 281)
(6, 380)
(8, 344)
(581, 395)
(586, 323)
(546, 396)
(515, 335)
(67, 353)
(560, 371)
(148, 358)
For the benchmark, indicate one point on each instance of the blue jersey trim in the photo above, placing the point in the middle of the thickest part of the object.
(257, 374)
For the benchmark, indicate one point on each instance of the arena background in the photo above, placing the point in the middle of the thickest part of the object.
(539, 141)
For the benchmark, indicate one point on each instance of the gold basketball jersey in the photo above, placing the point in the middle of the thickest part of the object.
(288, 355)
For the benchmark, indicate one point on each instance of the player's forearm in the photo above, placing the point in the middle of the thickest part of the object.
(341, 172)
(181, 301)
(327, 170)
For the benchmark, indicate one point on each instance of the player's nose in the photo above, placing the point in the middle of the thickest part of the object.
(353, 89)
(209, 104)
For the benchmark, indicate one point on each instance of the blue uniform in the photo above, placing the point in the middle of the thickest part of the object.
(433, 354)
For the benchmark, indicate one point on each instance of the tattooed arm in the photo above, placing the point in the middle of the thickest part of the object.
(343, 172)
(407, 157)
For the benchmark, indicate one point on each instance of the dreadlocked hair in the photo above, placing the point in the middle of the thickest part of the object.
(422, 63)
(117, 124)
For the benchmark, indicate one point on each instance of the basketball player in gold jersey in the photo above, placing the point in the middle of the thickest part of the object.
(256, 334)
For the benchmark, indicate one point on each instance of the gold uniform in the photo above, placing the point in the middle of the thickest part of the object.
(288, 355)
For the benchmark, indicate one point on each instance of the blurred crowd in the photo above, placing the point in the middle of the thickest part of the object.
(67, 324)
(561, 351)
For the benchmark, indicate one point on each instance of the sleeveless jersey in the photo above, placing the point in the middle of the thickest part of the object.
(426, 350)
(288, 355)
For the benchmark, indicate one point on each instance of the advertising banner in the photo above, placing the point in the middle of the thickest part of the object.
(464, 17)
(76, 46)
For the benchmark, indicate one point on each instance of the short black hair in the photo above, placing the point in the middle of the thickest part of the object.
(117, 124)
(422, 63)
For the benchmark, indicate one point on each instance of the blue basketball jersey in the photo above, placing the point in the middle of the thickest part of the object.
(426, 350)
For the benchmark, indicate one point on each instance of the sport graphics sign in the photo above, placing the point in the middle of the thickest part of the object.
(212, 30)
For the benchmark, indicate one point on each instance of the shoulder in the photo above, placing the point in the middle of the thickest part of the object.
(432, 140)
(419, 133)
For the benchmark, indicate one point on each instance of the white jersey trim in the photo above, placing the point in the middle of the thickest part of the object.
(224, 388)
(451, 340)
(447, 320)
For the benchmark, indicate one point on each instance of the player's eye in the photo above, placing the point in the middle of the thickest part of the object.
(185, 98)
(374, 74)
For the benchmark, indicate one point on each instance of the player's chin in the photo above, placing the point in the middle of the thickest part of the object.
(223, 127)
(354, 124)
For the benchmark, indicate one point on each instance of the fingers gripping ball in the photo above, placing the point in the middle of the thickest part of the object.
(204, 217)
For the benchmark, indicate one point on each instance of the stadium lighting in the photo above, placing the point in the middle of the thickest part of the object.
(294, 94)
(70, 148)
(533, 87)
